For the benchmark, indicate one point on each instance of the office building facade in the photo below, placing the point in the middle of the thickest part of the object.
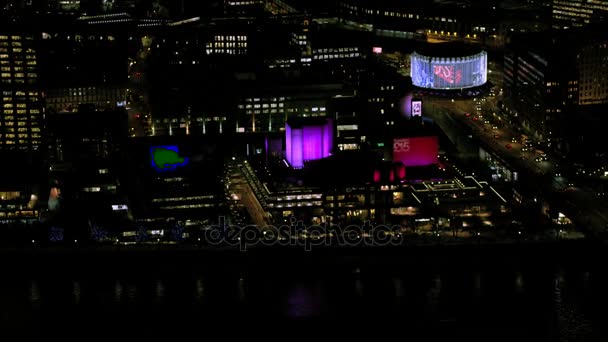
(20, 101)
(578, 13)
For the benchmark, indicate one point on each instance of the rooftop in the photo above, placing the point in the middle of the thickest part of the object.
(451, 49)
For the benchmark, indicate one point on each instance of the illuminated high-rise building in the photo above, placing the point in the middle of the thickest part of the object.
(547, 85)
(577, 13)
(20, 101)
(592, 63)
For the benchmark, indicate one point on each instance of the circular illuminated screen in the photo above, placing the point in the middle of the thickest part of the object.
(449, 73)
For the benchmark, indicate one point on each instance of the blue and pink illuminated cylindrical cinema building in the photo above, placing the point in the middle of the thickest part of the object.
(308, 139)
(449, 66)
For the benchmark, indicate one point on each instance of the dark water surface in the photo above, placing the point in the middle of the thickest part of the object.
(510, 293)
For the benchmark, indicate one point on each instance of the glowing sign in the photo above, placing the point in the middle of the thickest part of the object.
(417, 108)
(118, 207)
(447, 73)
(377, 50)
(166, 158)
(401, 145)
(418, 151)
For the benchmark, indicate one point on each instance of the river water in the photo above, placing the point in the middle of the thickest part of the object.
(544, 300)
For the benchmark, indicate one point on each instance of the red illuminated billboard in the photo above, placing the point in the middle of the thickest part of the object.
(418, 151)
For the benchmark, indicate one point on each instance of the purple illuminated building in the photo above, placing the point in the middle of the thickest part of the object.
(308, 139)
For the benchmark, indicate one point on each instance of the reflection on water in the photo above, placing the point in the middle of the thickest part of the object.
(160, 289)
(200, 289)
(358, 287)
(519, 282)
(301, 302)
(477, 283)
(241, 288)
(117, 291)
(432, 295)
(398, 284)
(76, 291)
(34, 292)
(562, 304)
(571, 322)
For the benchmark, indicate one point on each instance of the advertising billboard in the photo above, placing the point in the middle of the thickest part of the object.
(449, 73)
(377, 50)
(166, 158)
(416, 108)
(416, 151)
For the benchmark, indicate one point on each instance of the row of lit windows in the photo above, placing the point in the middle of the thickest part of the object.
(345, 49)
(4, 49)
(17, 80)
(312, 109)
(398, 14)
(265, 111)
(593, 4)
(265, 105)
(179, 199)
(228, 45)
(12, 123)
(19, 93)
(227, 51)
(17, 98)
(30, 63)
(78, 37)
(569, 14)
(335, 56)
(572, 11)
(188, 206)
(86, 91)
(271, 99)
(33, 142)
(230, 38)
(27, 56)
(18, 105)
(16, 69)
(245, 3)
(290, 110)
(21, 131)
(19, 75)
(20, 111)
(15, 37)
(20, 136)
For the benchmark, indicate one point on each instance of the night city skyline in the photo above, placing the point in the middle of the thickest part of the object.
(438, 163)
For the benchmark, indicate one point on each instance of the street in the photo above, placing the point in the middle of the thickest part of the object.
(581, 206)
(242, 193)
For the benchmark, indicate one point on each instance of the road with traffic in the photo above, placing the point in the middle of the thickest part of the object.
(243, 194)
(535, 166)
